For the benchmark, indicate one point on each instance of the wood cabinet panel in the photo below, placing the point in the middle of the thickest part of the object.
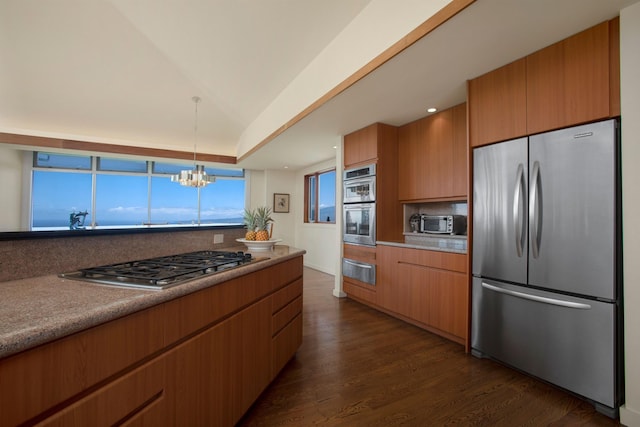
(283, 316)
(459, 175)
(498, 104)
(409, 145)
(361, 146)
(285, 344)
(359, 253)
(432, 163)
(428, 288)
(359, 291)
(285, 295)
(568, 82)
(137, 398)
(614, 67)
(220, 372)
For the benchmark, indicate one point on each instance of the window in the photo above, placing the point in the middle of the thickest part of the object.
(102, 192)
(320, 197)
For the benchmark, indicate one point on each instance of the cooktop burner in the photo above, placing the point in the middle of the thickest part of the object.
(163, 272)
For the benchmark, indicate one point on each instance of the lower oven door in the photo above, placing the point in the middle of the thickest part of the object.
(359, 223)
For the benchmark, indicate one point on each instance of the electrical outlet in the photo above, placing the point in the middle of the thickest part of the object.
(218, 238)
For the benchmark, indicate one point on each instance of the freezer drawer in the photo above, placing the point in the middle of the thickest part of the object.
(564, 340)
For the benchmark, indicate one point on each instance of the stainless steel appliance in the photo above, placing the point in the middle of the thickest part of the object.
(163, 272)
(546, 256)
(360, 184)
(359, 223)
(359, 270)
(443, 224)
(359, 208)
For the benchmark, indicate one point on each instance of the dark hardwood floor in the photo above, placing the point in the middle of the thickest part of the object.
(359, 367)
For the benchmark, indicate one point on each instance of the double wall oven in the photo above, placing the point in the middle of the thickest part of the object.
(359, 219)
(359, 205)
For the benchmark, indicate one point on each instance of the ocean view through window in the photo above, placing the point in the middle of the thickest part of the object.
(117, 193)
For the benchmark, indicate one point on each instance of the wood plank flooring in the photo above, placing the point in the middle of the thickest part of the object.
(359, 367)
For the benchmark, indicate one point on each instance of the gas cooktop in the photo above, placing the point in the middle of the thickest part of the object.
(163, 272)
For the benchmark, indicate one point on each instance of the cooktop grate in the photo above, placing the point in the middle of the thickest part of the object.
(162, 272)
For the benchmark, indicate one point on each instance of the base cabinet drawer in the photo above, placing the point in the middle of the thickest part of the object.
(285, 344)
(137, 398)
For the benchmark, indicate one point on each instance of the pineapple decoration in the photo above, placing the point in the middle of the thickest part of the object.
(262, 217)
(250, 223)
(258, 219)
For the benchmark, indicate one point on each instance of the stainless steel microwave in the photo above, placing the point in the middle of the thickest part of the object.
(443, 224)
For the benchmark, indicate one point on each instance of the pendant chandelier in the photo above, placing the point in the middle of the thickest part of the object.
(196, 177)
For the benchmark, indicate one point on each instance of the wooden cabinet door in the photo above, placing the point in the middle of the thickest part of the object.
(459, 144)
(427, 287)
(426, 158)
(137, 398)
(568, 82)
(220, 372)
(411, 177)
(498, 105)
(361, 146)
(447, 296)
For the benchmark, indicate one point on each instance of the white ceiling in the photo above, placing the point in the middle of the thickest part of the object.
(124, 71)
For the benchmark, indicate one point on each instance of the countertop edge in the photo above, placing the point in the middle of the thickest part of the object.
(422, 247)
(32, 332)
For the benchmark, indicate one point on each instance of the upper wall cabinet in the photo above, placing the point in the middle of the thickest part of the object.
(361, 146)
(432, 157)
(570, 82)
(498, 104)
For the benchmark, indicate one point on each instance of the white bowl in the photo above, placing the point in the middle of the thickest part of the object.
(259, 245)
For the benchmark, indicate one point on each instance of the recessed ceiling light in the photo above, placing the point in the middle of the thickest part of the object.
(335, 146)
(431, 110)
(286, 167)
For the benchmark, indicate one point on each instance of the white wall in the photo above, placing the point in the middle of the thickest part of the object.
(630, 92)
(260, 187)
(381, 24)
(284, 223)
(321, 241)
(11, 188)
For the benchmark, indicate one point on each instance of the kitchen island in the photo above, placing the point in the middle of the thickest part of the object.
(198, 353)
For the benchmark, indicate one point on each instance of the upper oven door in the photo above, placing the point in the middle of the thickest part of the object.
(360, 190)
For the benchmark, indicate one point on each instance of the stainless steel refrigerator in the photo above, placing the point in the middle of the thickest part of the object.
(546, 295)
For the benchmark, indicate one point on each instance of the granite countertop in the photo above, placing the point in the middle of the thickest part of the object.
(41, 309)
(453, 244)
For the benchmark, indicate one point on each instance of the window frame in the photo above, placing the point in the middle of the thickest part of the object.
(316, 202)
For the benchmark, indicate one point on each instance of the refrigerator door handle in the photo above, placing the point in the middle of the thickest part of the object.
(518, 209)
(534, 210)
(545, 300)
